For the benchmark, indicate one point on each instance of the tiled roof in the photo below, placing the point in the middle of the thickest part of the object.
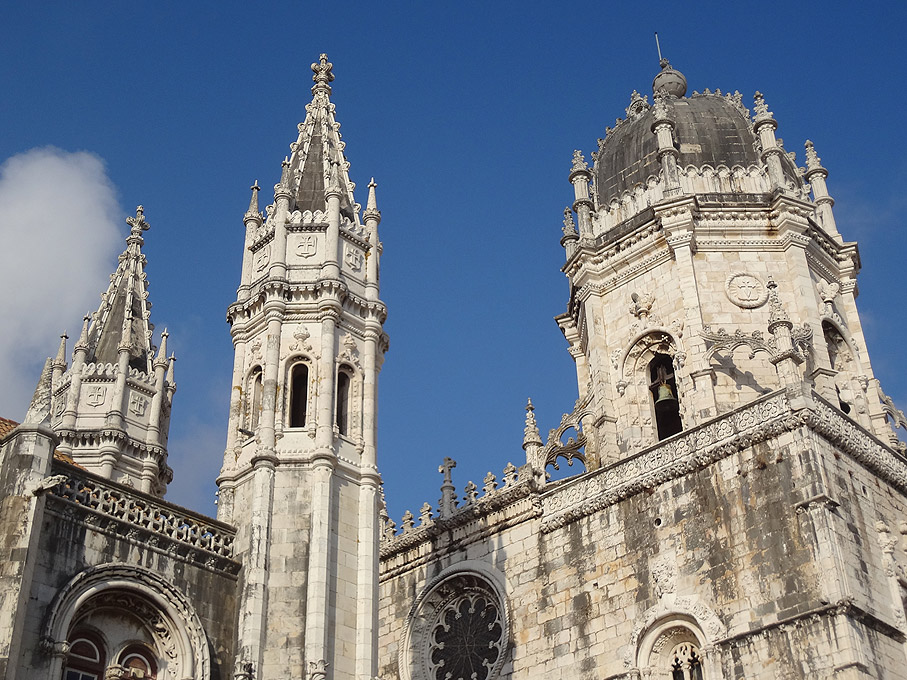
(7, 426)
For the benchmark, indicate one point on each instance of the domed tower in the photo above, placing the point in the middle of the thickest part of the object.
(706, 270)
(300, 480)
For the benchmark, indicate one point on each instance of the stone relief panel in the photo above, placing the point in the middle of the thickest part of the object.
(746, 290)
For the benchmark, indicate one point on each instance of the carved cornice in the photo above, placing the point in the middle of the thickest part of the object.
(695, 449)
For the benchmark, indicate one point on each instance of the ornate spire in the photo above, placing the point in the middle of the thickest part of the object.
(39, 409)
(813, 162)
(777, 314)
(122, 318)
(531, 433)
(317, 163)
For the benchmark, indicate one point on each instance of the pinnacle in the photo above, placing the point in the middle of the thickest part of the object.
(323, 70)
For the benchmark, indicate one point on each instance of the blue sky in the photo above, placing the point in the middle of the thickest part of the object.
(467, 115)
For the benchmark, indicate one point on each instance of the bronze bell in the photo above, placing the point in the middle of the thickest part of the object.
(664, 395)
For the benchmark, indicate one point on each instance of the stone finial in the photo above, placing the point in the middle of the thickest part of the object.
(638, 105)
(82, 342)
(61, 352)
(777, 313)
(813, 162)
(371, 205)
(490, 484)
(579, 163)
(510, 475)
(138, 223)
(324, 75)
(39, 409)
(390, 529)
(170, 381)
(448, 497)
(425, 515)
(285, 173)
(759, 106)
(162, 351)
(470, 493)
(569, 224)
(253, 202)
(531, 434)
(409, 522)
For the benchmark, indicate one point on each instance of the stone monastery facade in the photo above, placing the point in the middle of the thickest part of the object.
(739, 508)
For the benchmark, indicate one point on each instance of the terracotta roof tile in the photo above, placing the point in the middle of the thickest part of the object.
(7, 426)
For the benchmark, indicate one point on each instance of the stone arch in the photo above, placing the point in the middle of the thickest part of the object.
(633, 382)
(175, 625)
(850, 381)
(467, 584)
(287, 393)
(671, 623)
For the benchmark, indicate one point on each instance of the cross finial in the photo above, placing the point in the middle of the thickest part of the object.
(445, 468)
(138, 222)
(323, 75)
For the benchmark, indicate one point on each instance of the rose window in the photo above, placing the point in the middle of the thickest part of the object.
(458, 629)
(465, 644)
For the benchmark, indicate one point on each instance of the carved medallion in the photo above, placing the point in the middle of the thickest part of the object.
(137, 404)
(96, 395)
(261, 258)
(307, 246)
(746, 290)
(353, 257)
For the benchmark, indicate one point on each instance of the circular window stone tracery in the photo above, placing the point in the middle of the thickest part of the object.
(458, 629)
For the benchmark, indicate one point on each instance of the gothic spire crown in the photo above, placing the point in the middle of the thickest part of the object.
(121, 320)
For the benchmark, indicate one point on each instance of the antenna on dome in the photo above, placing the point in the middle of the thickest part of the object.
(658, 47)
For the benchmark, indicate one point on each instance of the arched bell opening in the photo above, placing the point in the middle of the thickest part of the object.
(665, 400)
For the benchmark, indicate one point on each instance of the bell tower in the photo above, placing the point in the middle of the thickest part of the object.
(706, 270)
(300, 479)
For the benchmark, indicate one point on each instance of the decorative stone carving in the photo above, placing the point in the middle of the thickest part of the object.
(641, 304)
(137, 404)
(746, 290)
(353, 257)
(96, 395)
(458, 628)
(308, 245)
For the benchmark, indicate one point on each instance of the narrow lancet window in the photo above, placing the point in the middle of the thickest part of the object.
(343, 401)
(299, 394)
(663, 387)
(257, 392)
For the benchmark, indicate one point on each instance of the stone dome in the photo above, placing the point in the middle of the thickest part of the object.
(709, 129)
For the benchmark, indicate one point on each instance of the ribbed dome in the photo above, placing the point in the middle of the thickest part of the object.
(708, 129)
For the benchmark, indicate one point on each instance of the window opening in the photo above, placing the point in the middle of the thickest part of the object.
(257, 391)
(86, 659)
(299, 394)
(343, 402)
(663, 387)
(138, 662)
(685, 662)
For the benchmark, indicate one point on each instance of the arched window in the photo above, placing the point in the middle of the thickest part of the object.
(686, 662)
(86, 659)
(138, 662)
(663, 388)
(343, 400)
(256, 387)
(299, 394)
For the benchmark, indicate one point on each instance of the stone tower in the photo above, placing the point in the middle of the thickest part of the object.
(111, 406)
(299, 479)
(706, 270)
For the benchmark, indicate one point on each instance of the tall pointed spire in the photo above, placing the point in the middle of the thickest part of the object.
(122, 317)
(317, 161)
(253, 202)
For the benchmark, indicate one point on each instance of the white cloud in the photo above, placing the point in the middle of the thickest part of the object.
(58, 225)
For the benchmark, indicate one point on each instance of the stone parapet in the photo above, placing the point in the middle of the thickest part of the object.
(122, 511)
